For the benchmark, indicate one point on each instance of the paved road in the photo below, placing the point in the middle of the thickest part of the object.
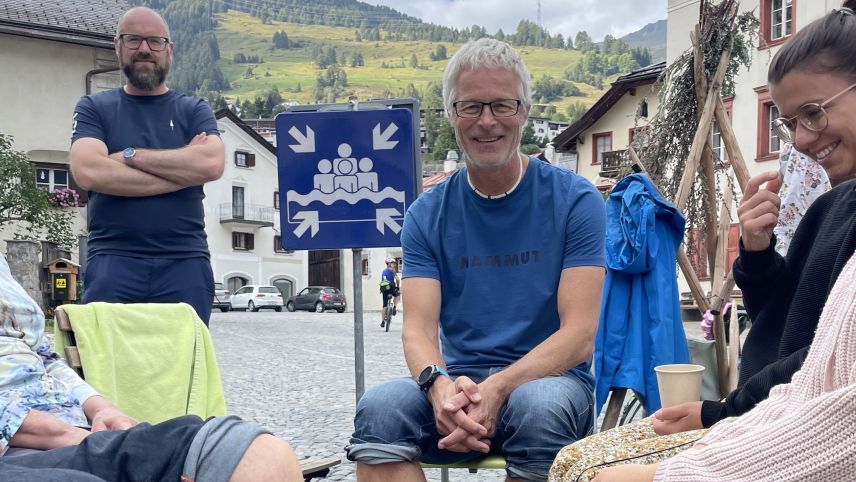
(294, 374)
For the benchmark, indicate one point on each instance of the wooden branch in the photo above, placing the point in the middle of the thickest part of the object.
(729, 140)
(702, 133)
(707, 157)
(722, 366)
(692, 279)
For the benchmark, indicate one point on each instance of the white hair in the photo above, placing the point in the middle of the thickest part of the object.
(484, 53)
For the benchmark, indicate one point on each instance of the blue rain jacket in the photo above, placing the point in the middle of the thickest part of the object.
(640, 321)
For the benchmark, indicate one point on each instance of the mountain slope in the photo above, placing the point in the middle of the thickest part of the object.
(388, 64)
(652, 37)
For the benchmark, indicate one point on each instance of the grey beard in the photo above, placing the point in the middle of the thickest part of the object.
(144, 80)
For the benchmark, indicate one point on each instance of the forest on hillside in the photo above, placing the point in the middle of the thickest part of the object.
(196, 71)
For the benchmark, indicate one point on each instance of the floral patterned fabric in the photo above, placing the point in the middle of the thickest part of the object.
(636, 443)
(32, 377)
(803, 181)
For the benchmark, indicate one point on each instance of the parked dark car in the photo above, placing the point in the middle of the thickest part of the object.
(221, 298)
(318, 299)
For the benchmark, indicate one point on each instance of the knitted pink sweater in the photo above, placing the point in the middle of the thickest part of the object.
(806, 430)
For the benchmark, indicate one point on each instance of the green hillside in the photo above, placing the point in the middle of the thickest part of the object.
(387, 70)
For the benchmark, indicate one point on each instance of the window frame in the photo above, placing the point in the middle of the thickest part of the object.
(245, 159)
(766, 24)
(594, 141)
(764, 132)
(248, 243)
(51, 184)
(639, 130)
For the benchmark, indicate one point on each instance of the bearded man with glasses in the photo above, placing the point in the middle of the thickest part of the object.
(144, 152)
(503, 271)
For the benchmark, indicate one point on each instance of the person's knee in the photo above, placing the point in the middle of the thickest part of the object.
(554, 405)
(268, 459)
(392, 400)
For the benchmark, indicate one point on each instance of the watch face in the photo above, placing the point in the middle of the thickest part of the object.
(425, 375)
(129, 152)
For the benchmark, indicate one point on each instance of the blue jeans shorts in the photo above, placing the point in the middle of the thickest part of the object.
(395, 423)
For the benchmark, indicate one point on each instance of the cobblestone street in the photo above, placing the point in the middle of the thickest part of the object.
(294, 374)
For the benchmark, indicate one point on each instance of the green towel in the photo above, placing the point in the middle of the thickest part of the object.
(154, 361)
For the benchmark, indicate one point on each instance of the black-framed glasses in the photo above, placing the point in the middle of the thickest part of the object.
(133, 42)
(499, 108)
(812, 116)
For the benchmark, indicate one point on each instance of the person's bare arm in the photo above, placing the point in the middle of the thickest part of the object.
(201, 161)
(104, 415)
(419, 336)
(94, 170)
(43, 431)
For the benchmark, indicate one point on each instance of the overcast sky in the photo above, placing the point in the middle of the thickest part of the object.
(597, 17)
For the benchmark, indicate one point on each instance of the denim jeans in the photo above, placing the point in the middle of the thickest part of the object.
(395, 422)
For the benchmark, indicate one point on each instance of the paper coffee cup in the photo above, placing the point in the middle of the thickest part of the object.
(679, 383)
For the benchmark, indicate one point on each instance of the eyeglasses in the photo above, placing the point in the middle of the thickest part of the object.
(499, 108)
(812, 116)
(133, 42)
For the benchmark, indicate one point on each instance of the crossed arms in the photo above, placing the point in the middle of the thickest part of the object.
(466, 412)
(153, 171)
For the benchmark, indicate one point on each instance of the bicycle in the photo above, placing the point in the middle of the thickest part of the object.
(386, 313)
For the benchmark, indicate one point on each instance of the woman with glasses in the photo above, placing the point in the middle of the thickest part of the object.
(797, 407)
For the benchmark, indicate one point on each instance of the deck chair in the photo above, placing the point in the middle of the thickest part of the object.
(107, 344)
(154, 361)
(488, 462)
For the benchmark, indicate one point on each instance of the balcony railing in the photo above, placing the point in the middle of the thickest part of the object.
(251, 214)
(614, 163)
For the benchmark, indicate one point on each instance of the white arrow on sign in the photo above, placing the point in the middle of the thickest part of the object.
(309, 219)
(384, 217)
(305, 143)
(380, 141)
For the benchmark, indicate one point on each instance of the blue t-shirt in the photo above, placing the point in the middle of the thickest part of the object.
(499, 261)
(388, 275)
(170, 225)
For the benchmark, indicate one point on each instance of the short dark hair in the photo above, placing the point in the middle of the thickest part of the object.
(826, 45)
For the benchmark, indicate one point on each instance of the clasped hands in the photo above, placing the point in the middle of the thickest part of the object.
(466, 413)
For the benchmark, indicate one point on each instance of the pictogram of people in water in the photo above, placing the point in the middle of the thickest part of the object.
(345, 173)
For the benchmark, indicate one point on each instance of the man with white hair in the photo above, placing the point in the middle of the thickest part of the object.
(503, 269)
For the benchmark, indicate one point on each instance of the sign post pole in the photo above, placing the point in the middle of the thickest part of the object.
(359, 352)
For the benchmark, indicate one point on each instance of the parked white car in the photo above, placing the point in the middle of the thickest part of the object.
(256, 297)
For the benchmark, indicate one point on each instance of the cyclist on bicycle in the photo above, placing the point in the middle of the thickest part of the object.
(389, 283)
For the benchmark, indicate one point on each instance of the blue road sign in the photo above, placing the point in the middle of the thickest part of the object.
(345, 178)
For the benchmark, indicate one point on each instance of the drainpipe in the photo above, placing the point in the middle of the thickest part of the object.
(95, 72)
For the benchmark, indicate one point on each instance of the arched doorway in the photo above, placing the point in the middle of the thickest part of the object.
(286, 287)
(235, 283)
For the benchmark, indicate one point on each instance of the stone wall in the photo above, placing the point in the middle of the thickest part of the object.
(23, 259)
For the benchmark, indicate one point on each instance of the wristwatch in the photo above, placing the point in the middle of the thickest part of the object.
(429, 376)
(128, 155)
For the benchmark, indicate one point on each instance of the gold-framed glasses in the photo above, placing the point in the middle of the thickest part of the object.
(499, 108)
(133, 42)
(812, 116)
